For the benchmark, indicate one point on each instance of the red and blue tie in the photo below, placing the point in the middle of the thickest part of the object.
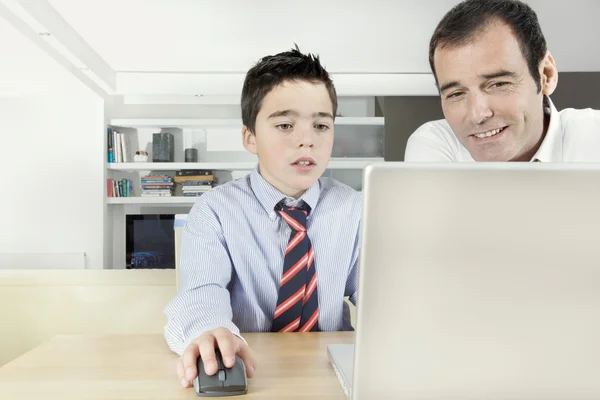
(297, 305)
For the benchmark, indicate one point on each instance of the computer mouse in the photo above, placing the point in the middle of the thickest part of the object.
(226, 382)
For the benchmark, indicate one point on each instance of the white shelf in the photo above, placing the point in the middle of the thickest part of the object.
(335, 163)
(152, 200)
(211, 123)
(352, 162)
(166, 166)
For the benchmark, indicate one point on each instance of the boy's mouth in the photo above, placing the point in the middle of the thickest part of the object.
(304, 164)
(304, 161)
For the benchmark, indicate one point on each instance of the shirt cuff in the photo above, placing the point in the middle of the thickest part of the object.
(197, 334)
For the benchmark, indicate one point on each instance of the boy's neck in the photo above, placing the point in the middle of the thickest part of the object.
(287, 191)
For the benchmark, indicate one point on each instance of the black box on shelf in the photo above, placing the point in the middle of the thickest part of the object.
(191, 155)
(163, 149)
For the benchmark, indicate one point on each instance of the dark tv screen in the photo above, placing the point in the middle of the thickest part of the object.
(150, 241)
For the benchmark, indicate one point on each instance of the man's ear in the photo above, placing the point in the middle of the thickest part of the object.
(549, 74)
(249, 140)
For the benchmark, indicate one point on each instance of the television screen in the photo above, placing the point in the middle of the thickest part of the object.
(150, 241)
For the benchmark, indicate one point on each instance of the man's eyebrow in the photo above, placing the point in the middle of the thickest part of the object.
(493, 75)
(449, 85)
(500, 74)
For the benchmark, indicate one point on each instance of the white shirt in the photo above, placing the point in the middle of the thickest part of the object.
(573, 136)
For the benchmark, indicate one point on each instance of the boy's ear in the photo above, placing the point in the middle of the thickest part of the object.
(249, 140)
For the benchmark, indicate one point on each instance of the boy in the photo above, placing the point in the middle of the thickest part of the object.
(278, 249)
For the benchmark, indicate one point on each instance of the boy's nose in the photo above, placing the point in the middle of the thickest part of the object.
(306, 139)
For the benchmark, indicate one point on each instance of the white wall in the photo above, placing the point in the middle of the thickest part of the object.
(377, 36)
(51, 156)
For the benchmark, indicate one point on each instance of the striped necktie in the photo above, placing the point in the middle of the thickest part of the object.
(297, 305)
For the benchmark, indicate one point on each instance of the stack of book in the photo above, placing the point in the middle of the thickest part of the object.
(156, 185)
(118, 147)
(120, 188)
(194, 182)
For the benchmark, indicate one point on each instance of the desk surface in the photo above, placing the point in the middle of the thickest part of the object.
(292, 365)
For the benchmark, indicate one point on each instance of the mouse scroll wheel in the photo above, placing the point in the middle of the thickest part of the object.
(222, 375)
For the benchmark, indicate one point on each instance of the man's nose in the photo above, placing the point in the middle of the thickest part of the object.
(479, 109)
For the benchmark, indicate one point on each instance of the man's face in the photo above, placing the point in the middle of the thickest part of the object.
(293, 136)
(489, 97)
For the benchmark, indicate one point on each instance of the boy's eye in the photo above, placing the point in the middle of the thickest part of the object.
(322, 127)
(284, 127)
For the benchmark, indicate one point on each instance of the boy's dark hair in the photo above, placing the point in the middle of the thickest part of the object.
(470, 17)
(271, 71)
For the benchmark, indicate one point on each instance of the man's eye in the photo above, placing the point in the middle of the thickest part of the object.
(322, 127)
(454, 95)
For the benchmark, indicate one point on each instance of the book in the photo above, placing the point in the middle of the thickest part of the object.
(187, 172)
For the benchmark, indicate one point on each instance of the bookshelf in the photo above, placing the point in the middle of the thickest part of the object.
(163, 123)
(334, 163)
(152, 200)
(359, 142)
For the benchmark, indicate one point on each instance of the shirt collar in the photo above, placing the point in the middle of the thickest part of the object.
(268, 196)
(551, 148)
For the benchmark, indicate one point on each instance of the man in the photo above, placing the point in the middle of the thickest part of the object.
(495, 75)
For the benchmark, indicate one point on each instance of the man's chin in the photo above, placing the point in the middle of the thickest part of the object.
(488, 156)
(491, 159)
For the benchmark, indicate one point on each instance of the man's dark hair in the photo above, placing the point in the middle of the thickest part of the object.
(271, 71)
(465, 20)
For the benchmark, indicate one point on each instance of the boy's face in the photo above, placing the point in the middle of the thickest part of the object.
(293, 136)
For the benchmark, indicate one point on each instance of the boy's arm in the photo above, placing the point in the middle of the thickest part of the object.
(203, 301)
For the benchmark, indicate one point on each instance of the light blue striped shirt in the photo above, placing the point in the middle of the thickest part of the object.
(232, 255)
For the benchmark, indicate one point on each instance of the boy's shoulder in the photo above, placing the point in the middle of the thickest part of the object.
(336, 191)
(237, 193)
(236, 190)
(222, 202)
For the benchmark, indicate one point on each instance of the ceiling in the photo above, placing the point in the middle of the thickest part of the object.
(175, 47)
(25, 69)
(229, 36)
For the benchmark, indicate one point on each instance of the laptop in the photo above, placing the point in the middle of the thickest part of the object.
(477, 281)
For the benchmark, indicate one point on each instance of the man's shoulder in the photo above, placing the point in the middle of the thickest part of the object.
(586, 118)
(580, 127)
(435, 141)
(437, 128)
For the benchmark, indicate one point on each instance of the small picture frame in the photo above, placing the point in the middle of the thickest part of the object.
(140, 156)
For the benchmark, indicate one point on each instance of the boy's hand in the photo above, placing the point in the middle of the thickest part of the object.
(204, 346)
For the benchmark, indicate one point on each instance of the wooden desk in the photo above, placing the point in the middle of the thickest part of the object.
(110, 367)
